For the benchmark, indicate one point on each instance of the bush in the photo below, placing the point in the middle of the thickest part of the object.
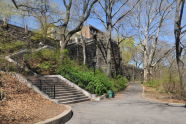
(44, 61)
(85, 78)
(120, 83)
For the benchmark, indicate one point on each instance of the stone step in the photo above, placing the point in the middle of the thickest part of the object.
(69, 96)
(63, 92)
(58, 88)
(63, 87)
(47, 82)
(73, 98)
(73, 101)
(57, 85)
(67, 93)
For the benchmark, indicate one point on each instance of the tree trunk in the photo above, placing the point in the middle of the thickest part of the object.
(145, 76)
(181, 72)
(84, 49)
(109, 51)
(177, 32)
(63, 41)
(108, 61)
(5, 22)
(150, 69)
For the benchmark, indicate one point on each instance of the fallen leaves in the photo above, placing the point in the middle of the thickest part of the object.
(22, 105)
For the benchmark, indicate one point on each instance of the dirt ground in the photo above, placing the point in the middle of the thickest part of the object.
(162, 97)
(22, 105)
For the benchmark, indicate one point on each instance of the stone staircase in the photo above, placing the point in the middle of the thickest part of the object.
(56, 89)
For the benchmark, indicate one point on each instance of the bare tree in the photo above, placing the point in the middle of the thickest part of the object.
(15, 4)
(179, 30)
(41, 10)
(114, 11)
(66, 33)
(6, 11)
(64, 16)
(150, 17)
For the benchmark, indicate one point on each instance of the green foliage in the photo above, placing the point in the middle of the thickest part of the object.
(44, 61)
(153, 83)
(45, 65)
(11, 46)
(36, 36)
(127, 49)
(120, 83)
(85, 78)
(44, 54)
(164, 84)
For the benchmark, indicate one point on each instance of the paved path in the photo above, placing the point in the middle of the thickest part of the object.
(130, 108)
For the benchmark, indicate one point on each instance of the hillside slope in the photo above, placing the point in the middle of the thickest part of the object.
(22, 105)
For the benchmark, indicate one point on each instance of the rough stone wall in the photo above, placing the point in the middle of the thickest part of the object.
(75, 52)
(93, 50)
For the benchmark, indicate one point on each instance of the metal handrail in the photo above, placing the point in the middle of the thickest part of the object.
(51, 86)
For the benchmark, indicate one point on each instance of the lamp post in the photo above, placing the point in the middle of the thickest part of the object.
(94, 64)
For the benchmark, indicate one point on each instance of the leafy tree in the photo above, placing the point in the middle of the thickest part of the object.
(127, 49)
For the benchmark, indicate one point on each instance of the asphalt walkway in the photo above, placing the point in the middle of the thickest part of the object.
(130, 108)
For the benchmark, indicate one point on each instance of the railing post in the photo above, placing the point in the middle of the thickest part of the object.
(40, 84)
(54, 91)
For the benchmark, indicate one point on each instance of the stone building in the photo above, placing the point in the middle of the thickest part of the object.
(91, 44)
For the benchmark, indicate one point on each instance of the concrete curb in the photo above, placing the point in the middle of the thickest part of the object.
(167, 103)
(59, 119)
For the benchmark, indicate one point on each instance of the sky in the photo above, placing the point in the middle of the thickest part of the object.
(92, 21)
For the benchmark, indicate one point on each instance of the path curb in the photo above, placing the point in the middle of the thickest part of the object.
(61, 118)
(167, 103)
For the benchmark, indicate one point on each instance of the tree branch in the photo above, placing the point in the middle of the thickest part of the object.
(122, 16)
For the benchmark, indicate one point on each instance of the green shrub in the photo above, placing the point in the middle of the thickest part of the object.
(120, 83)
(45, 65)
(85, 78)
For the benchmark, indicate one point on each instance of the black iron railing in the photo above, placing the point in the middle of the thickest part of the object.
(47, 87)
